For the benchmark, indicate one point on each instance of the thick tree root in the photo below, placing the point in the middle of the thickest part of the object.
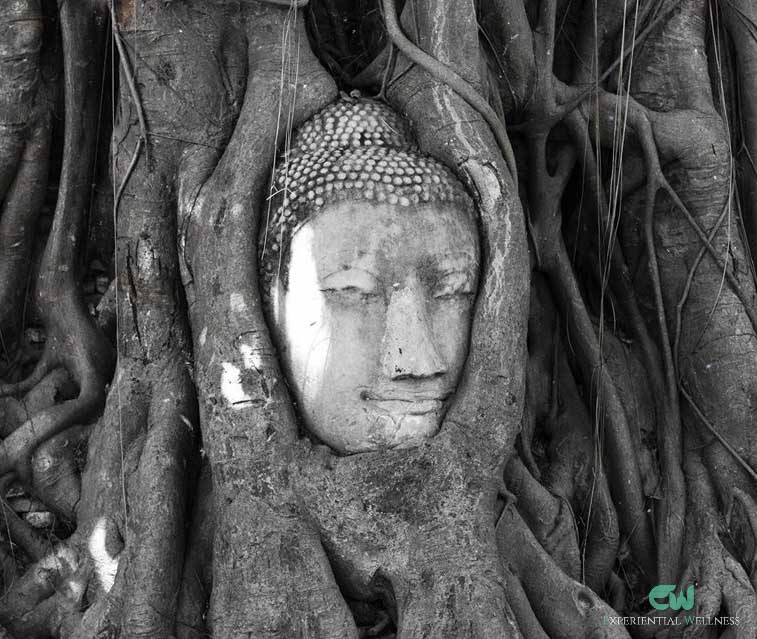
(72, 340)
(196, 583)
(549, 518)
(19, 532)
(24, 150)
(565, 608)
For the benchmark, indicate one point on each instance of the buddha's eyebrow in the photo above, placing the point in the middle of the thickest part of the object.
(344, 268)
(458, 261)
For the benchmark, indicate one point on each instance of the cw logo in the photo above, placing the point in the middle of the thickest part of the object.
(666, 593)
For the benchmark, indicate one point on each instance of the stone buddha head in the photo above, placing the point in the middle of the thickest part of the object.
(369, 265)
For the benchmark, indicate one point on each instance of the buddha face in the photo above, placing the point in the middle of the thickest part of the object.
(374, 319)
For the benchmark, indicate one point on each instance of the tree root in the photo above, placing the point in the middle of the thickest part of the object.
(35, 587)
(19, 532)
(72, 340)
(41, 369)
(19, 446)
(24, 148)
(564, 608)
(573, 471)
(155, 537)
(721, 582)
(528, 624)
(56, 386)
(196, 583)
(449, 76)
(749, 521)
(54, 471)
(292, 4)
(549, 518)
(625, 482)
(18, 224)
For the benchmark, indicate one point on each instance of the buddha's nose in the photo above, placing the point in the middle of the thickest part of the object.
(408, 345)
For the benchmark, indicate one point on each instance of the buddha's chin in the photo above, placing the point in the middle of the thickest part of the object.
(394, 430)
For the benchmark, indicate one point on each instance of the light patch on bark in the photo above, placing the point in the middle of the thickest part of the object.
(62, 559)
(106, 566)
(231, 386)
(185, 420)
(203, 336)
(75, 589)
(492, 199)
(445, 99)
(489, 190)
(250, 358)
(237, 303)
(498, 276)
(237, 211)
(145, 257)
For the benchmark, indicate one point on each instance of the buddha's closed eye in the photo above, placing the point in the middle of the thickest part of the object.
(454, 284)
(351, 284)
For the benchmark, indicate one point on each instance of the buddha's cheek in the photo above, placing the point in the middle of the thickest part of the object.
(451, 324)
(341, 363)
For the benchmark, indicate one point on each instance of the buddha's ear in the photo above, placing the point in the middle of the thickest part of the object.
(275, 311)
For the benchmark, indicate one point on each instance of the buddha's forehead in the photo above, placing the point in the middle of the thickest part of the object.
(389, 239)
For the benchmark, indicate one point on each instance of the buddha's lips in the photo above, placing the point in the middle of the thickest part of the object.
(406, 405)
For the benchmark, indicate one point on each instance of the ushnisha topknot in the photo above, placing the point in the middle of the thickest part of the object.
(356, 150)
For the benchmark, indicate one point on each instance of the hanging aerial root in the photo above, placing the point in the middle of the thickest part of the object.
(625, 482)
(128, 75)
(659, 361)
(572, 448)
(690, 280)
(739, 19)
(568, 98)
(648, 126)
(670, 510)
(574, 473)
(715, 433)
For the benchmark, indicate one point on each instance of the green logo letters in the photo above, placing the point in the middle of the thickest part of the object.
(663, 597)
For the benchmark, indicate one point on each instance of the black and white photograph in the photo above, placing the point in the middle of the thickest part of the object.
(378, 319)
